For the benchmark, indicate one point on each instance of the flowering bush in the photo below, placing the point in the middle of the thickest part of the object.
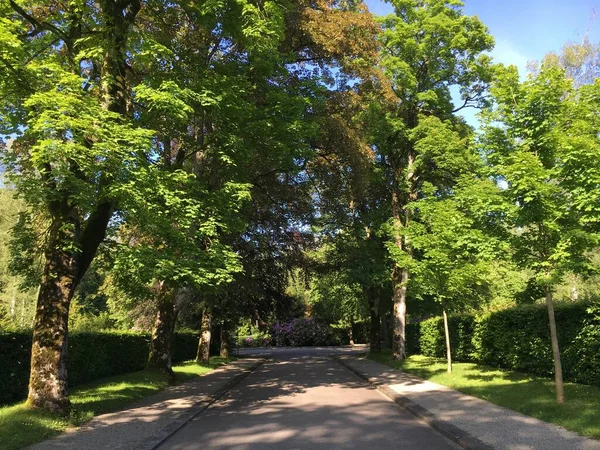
(255, 340)
(302, 332)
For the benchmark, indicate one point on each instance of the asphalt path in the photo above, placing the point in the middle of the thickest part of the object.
(303, 399)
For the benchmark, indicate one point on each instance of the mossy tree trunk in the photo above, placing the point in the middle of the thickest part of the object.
(48, 373)
(63, 270)
(399, 281)
(160, 357)
(400, 274)
(203, 355)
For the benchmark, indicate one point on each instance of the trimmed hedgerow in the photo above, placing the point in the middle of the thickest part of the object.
(91, 355)
(15, 352)
(185, 346)
(518, 339)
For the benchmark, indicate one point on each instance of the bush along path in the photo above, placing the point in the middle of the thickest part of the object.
(518, 339)
(92, 355)
(93, 403)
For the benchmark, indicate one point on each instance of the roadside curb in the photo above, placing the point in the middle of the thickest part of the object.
(156, 440)
(452, 432)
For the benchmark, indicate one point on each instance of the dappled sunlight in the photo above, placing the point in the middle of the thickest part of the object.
(19, 422)
(150, 415)
(496, 425)
(304, 402)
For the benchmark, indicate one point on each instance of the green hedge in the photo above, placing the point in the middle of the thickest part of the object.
(518, 339)
(92, 355)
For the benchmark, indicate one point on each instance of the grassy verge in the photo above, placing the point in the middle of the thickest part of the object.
(21, 426)
(530, 395)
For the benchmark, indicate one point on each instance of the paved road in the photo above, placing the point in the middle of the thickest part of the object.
(302, 399)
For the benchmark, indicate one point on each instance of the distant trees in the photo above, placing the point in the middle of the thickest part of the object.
(16, 306)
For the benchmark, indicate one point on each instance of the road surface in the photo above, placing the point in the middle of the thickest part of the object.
(302, 399)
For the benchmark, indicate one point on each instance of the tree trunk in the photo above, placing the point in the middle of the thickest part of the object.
(13, 303)
(160, 357)
(375, 328)
(203, 355)
(64, 268)
(386, 329)
(560, 391)
(400, 275)
(448, 348)
(351, 331)
(48, 372)
(224, 352)
(574, 293)
(399, 280)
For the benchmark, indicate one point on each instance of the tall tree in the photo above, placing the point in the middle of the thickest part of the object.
(66, 97)
(95, 100)
(428, 47)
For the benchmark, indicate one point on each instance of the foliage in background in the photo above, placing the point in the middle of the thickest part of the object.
(16, 295)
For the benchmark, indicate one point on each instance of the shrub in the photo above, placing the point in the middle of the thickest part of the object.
(257, 339)
(303, 332)
(361, 332)
(91, 355)
(185, 346)
(96, 355)
(15, 353)
(518, 339)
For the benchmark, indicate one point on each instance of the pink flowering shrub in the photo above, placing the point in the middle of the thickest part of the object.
(302, 332)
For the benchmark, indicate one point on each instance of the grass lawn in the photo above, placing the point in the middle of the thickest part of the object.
(531, 395)
(21, 426)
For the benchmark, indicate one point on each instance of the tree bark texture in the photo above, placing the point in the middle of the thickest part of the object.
(399, 281)
(160, 357)
(448, 348)
(203, 355)
(401, 197)
(48, 373)
(558, 378)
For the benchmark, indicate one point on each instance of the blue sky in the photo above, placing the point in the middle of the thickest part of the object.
(526, 30)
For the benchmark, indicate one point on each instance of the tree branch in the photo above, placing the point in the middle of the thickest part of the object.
(38, 26)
